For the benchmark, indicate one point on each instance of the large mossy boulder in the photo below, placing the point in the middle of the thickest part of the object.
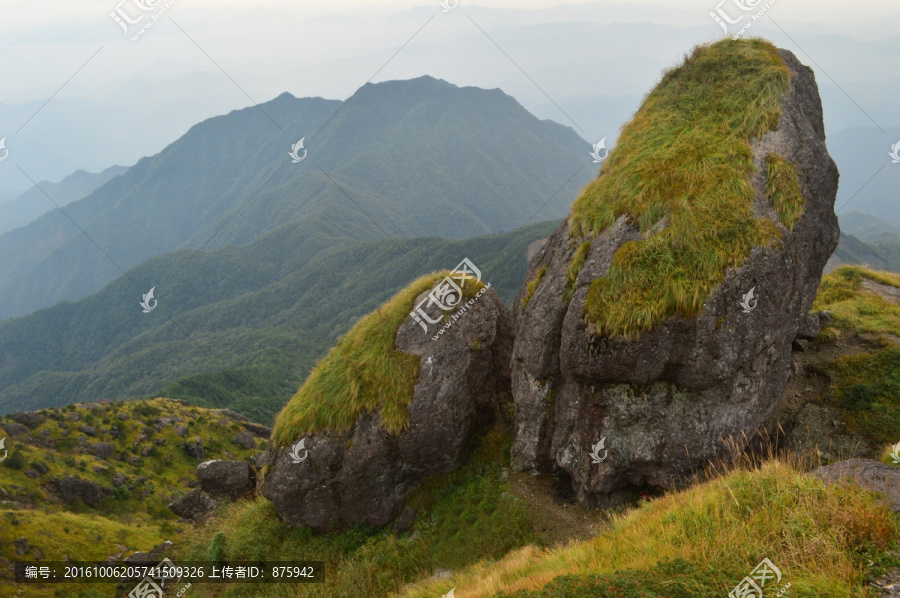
(393, 402)
(659, 316)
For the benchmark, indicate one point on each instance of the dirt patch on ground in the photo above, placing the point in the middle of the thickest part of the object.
(557, 516)
(888, 292)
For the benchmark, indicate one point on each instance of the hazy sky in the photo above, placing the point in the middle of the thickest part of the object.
(117, 99)
(42, 43)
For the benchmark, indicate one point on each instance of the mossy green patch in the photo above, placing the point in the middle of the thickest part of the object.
(854, 308)
(363, 372)
(575, 266)
(866, 385)
(868, 388)
(685, 158)
(533, 285)
(783, 189)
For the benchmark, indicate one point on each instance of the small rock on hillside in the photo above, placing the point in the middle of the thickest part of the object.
(232, 479)
(194, 505)
(73, 489)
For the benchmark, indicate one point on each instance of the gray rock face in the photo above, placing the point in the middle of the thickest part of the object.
(73, 489)
(365, 474)
(104, 450)
(867, 473)
(232, 479)
(245, 439)
(194, 448)
(663, 403)
(195, 505)
(258, 430)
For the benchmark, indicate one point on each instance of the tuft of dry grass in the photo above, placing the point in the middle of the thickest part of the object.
(783, 189)
(814, 533)
(533, 285)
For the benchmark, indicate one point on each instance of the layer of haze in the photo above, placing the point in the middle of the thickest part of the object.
(583, 64)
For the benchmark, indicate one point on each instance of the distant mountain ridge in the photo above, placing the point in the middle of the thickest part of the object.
(868, 241)
(420, 158)
(31, 204)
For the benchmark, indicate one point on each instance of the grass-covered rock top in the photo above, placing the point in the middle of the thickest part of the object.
(685, 160)
(363, 372)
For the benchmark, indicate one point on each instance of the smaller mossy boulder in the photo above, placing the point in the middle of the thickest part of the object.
(395, 401)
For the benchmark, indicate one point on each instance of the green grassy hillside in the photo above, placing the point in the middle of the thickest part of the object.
(256, 317)
(146, 449)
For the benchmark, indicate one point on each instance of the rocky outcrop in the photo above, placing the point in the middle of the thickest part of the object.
(231, 479)
(104, 450)
(664, 403)
(195, 505)
(245, 439)
(365, 473)
(867, 473)
(258, 430)
(194, 448)
(14, 430)
(32, 419)
(73, 489)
